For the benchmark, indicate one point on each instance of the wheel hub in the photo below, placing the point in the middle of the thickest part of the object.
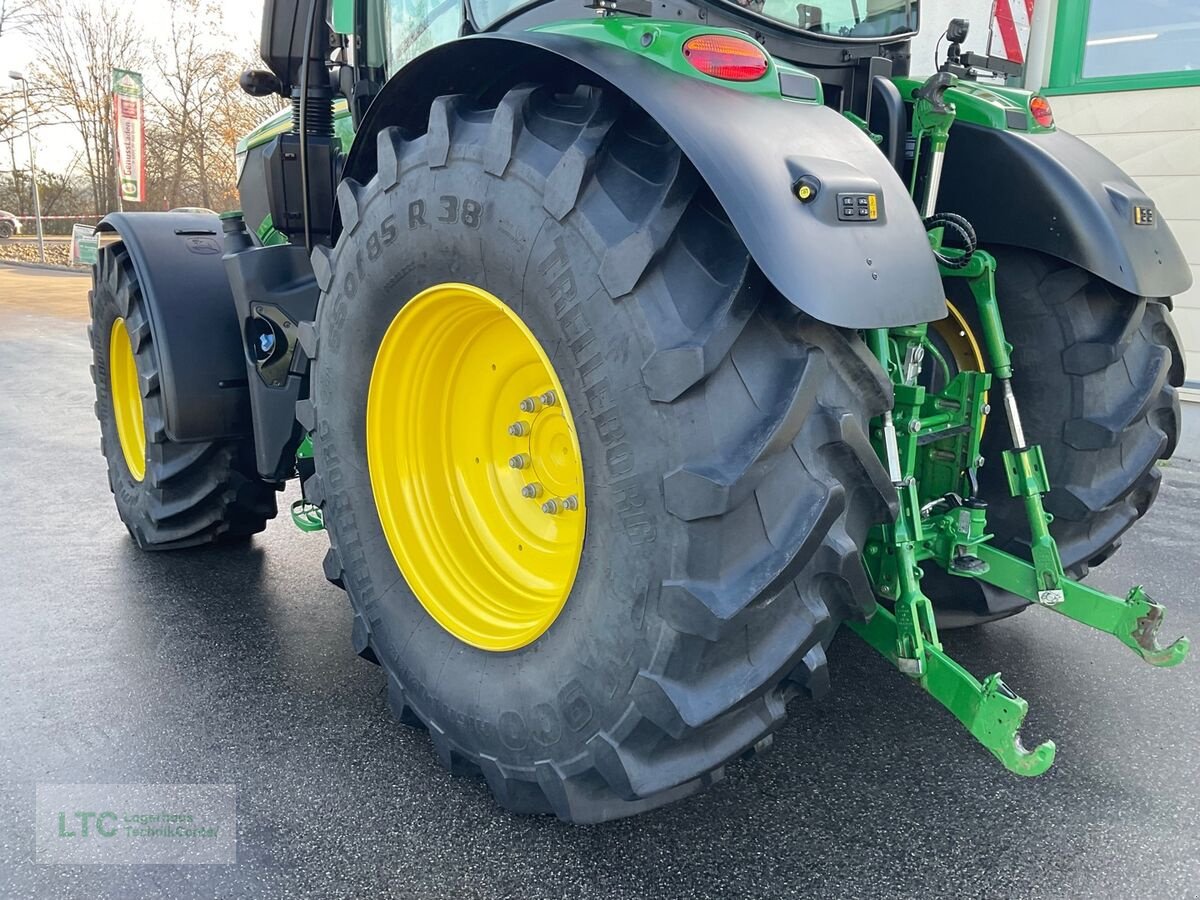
(547, 459)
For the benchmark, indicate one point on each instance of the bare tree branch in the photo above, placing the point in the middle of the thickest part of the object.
(13, 14)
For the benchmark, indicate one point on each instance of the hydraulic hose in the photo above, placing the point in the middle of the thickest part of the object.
(966, 234)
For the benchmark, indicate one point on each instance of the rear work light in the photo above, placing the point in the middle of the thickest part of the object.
(726, 57)
(1040, 107)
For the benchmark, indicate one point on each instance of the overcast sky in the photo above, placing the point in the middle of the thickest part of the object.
(57, 145)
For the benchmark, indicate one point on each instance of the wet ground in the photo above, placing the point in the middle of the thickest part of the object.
(234, 666)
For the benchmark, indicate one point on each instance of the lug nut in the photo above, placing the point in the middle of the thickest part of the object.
(520, 461)
(531, 491)
(518, 429)
(530, 405)
(550, 507)
(549, 398)
(571, 502)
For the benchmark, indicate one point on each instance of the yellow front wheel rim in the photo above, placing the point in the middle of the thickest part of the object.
(475, 467)
(127, 399)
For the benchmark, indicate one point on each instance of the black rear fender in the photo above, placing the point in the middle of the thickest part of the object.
(750, 150)
(1054, 193)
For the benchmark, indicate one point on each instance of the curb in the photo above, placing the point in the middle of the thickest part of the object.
(47, 267)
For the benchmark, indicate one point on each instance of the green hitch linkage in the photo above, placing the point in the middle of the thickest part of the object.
(908, 638)
(991, 712)
(957, 540)
(1134, 621)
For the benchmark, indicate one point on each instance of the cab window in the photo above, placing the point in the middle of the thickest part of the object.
(399, 30)
(486, 12)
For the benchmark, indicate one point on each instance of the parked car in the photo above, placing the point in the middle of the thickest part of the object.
(9, 225)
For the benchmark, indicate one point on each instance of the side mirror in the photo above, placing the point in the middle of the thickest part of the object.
(260, 83)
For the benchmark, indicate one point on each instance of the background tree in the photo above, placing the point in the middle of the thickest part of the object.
(13, 143)
(13, 14)
(198, 111)
(195, 112)
(80, 43)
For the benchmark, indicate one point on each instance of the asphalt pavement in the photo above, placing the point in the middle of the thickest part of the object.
(234, 667)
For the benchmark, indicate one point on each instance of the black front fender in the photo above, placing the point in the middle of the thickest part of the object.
(1054, 193)
(749, 149)
(202, 369)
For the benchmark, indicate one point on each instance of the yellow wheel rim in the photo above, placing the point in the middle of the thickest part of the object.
(127, 399)
(956, 331)
(475, 467)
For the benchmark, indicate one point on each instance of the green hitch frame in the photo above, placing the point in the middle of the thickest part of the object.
(930, 444)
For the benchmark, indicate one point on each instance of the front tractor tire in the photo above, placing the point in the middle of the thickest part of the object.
(169, 495)
(727, 483)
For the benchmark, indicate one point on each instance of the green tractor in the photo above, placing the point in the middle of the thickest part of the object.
(626, 349)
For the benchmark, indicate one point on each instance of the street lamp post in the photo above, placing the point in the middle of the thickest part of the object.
(37, 197)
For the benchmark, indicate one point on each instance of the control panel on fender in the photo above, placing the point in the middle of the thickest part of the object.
(858, 207)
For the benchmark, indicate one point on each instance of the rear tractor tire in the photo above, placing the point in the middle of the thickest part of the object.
(1094, 371)
(599, 657)
(169, 495)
